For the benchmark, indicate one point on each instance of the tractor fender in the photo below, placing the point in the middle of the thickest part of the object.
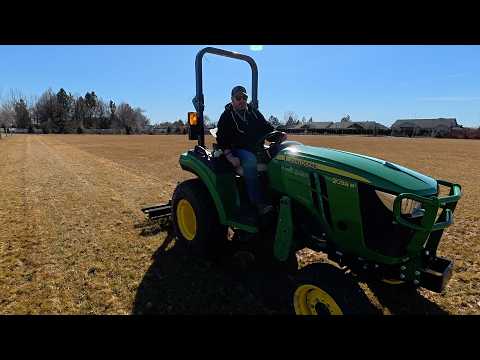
(207, 177)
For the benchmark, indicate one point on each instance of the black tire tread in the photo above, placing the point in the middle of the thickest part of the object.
(209, 229)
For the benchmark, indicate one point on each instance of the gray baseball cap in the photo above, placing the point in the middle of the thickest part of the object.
(239, 89)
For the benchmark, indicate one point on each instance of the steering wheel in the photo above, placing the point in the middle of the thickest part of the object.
(272, 137)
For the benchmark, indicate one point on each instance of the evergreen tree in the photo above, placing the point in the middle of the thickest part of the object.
(91, 102)
(274, 121)
(22, 116)
(63, 111)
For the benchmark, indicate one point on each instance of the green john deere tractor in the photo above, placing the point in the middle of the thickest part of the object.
(379, 220)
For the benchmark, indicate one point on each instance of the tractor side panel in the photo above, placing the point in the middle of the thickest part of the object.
(274, 170)
(226, 187)
(344, 204)
(290, 180)
(341, 203)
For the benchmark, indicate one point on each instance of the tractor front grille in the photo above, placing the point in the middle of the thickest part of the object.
(379, 232)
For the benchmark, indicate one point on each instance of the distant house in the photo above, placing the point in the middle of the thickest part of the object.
(371, 125)
(344, 125)
(359, 127)
(292, 129)
(465, 133)
(307, 128)
(424, 127)
(318, 127)
(161, 129)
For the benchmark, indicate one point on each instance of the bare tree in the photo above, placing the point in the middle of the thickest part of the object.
(7, 108)
(64, 112)
(79, 113)
(7, 115)
(102, 114)
(126, 117)
(141, 121)
(45, 110)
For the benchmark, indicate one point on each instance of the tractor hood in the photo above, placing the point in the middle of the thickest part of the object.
(376, 172)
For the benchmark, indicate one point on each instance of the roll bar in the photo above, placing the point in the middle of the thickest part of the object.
(198, 100)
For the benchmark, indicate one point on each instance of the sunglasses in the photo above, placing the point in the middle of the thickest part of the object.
(240, 97)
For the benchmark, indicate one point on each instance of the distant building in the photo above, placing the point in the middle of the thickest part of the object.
(344, 126)
(439, 127)
(318, 127)
(292, 129)
(465, 133)
(371, 125)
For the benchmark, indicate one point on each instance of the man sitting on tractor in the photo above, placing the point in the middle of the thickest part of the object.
(240, 127)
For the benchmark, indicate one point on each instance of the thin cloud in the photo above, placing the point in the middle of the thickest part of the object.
(458, 75)
(450, 98)
(256, 47)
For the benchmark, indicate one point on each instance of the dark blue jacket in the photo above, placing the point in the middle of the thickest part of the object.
(233, 132)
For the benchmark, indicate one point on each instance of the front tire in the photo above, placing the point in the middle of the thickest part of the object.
(195, 220)
(323, 289)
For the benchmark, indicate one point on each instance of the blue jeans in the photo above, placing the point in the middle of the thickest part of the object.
(250, 174)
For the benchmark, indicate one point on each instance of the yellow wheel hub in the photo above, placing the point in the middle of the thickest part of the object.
(311, 300)
(186, 219)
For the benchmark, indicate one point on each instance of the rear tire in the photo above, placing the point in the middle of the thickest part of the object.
(323, 289)
(195, 220)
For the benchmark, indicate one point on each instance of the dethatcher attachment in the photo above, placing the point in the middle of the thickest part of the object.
(157, 212)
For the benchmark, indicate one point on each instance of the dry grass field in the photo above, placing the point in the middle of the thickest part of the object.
(71, 239)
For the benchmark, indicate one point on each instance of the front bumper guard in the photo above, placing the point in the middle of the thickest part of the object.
(435, 272)
(431, 206)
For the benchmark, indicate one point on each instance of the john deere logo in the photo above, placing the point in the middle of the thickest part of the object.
(328, 169)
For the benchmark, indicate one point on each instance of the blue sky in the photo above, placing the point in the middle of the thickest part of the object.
(380, 83)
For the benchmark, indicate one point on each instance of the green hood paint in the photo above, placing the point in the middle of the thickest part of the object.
(385, 175)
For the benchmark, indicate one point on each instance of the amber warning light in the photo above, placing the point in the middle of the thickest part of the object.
(192, 118)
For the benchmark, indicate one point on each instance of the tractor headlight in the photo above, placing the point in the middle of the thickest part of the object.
(409, 207)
